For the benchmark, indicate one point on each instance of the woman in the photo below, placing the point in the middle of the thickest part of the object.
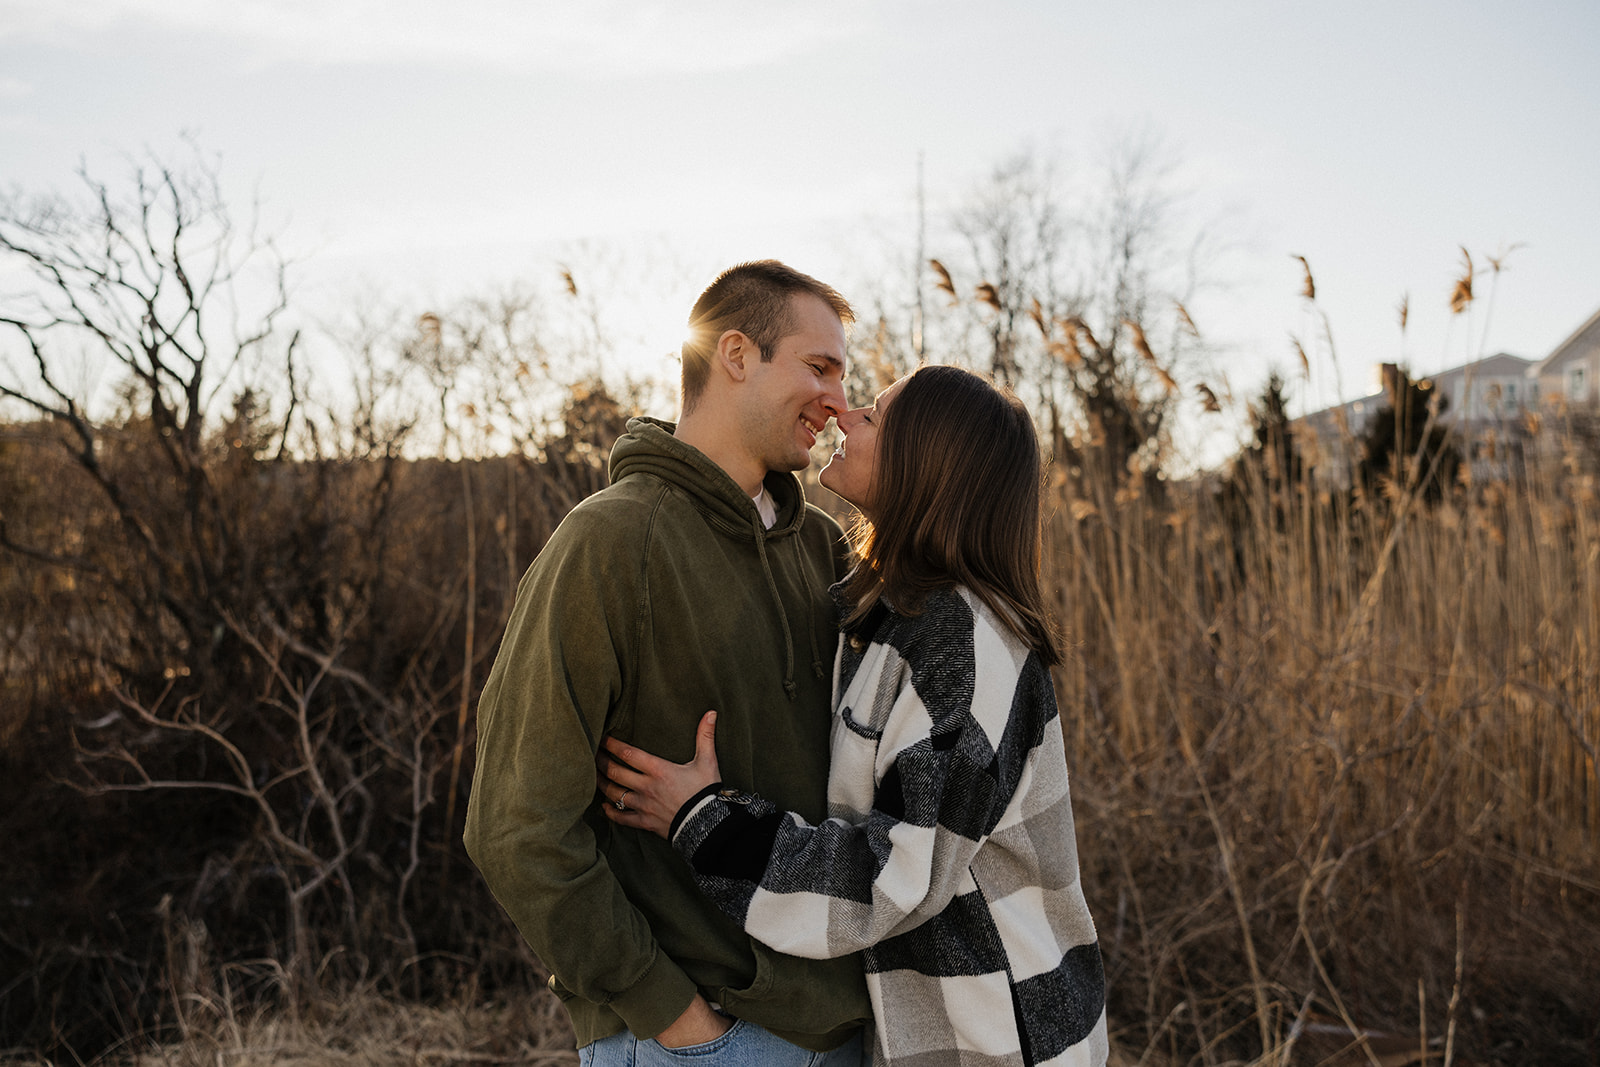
(949, 858)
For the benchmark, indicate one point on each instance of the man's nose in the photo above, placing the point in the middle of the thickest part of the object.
(833, 400)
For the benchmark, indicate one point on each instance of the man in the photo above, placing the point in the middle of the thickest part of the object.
(698, 580)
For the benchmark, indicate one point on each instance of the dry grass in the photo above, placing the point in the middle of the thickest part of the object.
(1334, 764)
(360, 1029)
(1335, 769)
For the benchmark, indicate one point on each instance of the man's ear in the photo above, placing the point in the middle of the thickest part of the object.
(733, 348)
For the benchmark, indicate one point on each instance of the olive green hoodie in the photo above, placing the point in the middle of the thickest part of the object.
(655, 600)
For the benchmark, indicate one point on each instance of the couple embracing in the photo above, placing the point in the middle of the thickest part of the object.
(865, 852)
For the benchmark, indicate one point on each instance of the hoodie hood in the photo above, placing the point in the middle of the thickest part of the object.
(649, 447)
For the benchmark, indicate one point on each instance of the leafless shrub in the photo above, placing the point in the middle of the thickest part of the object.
(243, 647)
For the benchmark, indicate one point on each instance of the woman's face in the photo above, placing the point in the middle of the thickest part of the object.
(852, 471)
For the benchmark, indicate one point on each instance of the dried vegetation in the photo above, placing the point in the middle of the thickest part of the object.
(1334, 750)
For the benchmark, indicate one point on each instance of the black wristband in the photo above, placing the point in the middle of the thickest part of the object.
(688, 806)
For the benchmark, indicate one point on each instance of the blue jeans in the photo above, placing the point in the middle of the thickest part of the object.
(744, 1045)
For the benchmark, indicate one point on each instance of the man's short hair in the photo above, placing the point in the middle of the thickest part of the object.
(755, 299)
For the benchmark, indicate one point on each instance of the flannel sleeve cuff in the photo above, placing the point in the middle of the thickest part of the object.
(689, 807)
(728, 834)
(696, 822)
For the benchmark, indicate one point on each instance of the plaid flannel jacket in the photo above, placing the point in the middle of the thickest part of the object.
(949, 856)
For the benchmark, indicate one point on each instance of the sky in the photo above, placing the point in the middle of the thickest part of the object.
(419, 153)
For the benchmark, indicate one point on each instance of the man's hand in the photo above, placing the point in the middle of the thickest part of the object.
(650, 789)
(697, 1025)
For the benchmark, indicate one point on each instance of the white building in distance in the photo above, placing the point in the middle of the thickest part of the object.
(1570, 374)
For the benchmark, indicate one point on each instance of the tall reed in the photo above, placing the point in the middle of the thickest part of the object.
(1312, 731)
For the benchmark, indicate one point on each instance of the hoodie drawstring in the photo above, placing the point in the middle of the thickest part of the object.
(817, 667)
(789, 686)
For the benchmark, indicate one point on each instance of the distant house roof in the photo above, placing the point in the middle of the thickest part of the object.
(1585, 340)
(1500, 365)
(1355, 413)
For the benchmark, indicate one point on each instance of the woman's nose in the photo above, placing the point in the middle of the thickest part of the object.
(850, 419)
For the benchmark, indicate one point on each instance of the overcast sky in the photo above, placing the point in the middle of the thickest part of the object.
(427, 150)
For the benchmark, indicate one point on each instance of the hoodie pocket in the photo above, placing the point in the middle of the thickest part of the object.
(794, 996)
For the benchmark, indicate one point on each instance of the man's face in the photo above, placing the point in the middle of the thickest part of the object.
(793, 395)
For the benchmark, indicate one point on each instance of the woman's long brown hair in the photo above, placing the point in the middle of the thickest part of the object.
(957, 497)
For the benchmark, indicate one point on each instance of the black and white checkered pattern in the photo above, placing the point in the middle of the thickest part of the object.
(949, 856)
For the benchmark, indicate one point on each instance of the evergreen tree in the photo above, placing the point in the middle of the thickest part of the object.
(1404, 446)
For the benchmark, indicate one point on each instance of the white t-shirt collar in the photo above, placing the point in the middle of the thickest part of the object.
(764, 505)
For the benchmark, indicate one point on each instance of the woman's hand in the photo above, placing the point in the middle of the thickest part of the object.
(645, 791)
